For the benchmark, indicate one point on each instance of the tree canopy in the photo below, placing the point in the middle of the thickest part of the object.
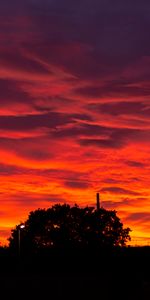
(62, 226)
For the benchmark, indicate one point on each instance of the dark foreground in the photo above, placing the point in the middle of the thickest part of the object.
(121, 274)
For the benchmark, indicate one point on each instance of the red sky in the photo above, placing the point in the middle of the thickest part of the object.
(75, 108)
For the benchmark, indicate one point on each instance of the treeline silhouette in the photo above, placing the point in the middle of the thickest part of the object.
(62, 227)
(75, 253)
(69, 239)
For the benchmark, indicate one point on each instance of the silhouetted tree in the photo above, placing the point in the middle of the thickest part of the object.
(62, 226)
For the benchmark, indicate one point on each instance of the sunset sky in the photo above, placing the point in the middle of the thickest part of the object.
(75, 108)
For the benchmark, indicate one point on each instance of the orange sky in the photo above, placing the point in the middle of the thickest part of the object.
(75, 109)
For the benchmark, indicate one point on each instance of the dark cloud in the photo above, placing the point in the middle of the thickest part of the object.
(135, 179)
(139, 217)
(78, 36)
(113, 89)
(8, 170)
(11, 93)
(102, 143)
(82, 129)
(115, 137)
(100, 27)
(131, 108)
(127, 135)
(53, 103)
(119, 191)
(107, 137)
(120, 180)
(76, 184)
(35, 153)
(64, 174)
(48, 120)
(31, 148)
(35, 200)
(18, 61)
(114, 205)
(135, 164)
(111, 180)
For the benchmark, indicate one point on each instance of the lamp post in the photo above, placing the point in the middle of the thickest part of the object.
(19, 236)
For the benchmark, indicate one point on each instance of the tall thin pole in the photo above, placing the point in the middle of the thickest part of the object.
(19, 241)
(20, 227)
(97, 201)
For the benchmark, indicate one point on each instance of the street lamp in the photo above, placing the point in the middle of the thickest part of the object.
(20, 227)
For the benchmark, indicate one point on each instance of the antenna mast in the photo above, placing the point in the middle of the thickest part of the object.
(97, 201)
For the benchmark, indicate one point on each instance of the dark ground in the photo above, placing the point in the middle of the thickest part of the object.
(106, 275)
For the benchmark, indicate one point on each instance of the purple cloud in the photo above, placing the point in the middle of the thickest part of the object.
(119, 191)
(139, 216)
(132, 108)
(76, 184)
(135, 164)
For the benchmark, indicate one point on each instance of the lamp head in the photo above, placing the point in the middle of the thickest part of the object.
(22, 226)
